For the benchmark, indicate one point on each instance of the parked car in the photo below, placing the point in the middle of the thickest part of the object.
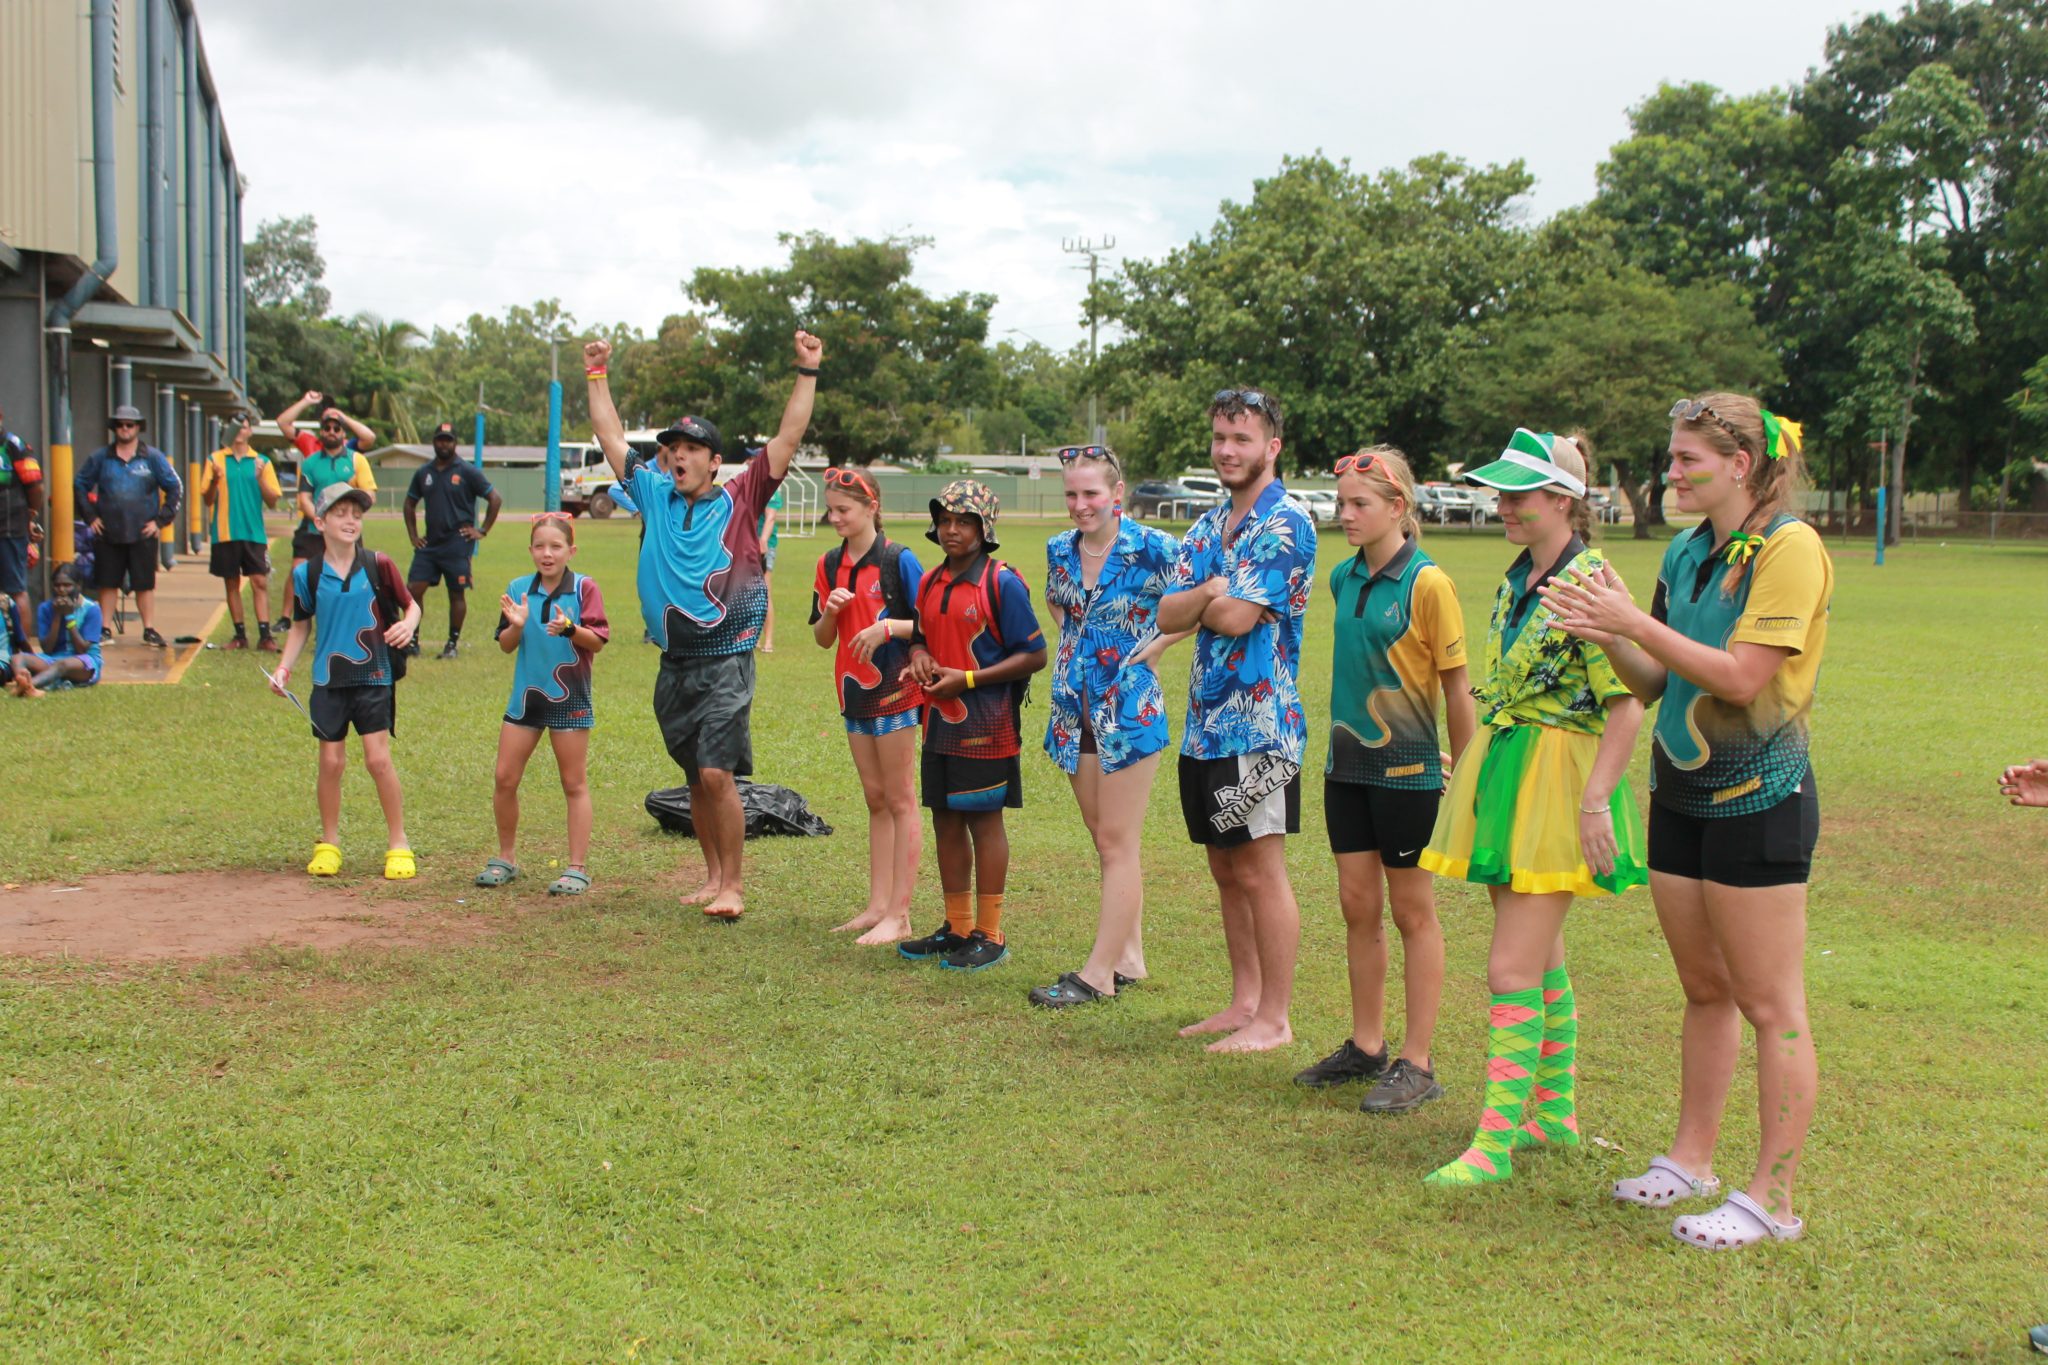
(1206, 484)
(1171, 501)
(1485, 505)
(1444, 503)
(1605, 508)
(1320, 502)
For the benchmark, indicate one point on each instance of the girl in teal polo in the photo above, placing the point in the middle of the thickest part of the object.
(1398, 661)
(1731, 644)
(1539, 811)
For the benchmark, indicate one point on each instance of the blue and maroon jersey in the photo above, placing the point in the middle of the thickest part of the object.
(550, 675)
(973, 621)
(701, 590)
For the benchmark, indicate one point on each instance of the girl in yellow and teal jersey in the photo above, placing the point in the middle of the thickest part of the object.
(1538, 810)
(1731, 644)
(1398, 659)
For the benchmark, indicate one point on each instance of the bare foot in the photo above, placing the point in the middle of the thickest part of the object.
(1255, 1037)
(726, 905)
(891, 929)
(1223, 1021)
(866, 919)
(702, 895)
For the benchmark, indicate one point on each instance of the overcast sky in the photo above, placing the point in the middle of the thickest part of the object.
(465, 155)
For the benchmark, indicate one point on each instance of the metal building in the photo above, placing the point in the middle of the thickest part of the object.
(120, 234)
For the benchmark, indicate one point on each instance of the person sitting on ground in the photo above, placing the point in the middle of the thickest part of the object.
(977, 640)
(449, 486)
(236, 483)
(66, 649)
(353, 604)
(133, 492)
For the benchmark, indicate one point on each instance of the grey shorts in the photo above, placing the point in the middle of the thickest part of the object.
(702, 706)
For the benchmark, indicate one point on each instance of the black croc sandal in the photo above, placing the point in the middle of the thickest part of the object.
(1069, 990)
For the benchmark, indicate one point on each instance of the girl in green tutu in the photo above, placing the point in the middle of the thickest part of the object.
(1538, 809)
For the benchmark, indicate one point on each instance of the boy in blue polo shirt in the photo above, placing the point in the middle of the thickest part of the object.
(345, 600)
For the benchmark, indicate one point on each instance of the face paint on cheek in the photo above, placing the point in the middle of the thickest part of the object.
(1699, 480)
(1529, 518)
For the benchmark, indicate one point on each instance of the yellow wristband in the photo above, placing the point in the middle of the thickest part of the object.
(594, 374)
(970, 680)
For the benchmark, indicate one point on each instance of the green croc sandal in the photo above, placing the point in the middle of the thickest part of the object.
(573, 882)
(496, 873)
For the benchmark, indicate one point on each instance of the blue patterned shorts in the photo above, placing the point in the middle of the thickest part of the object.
(877, 726)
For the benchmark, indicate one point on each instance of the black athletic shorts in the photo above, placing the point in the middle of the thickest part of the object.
(450, 560)
(1769, 848)
(308, 544)
(703, 706)
(239, 559)
(369, 709)
(1385, 820)
(136, 561)
(950, 782)
(1231, 801)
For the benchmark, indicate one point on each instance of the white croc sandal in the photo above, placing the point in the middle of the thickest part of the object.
(1739, 1222)
(1664, 1184)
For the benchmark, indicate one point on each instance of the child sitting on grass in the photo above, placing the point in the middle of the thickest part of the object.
(976, 642)
(353, 603)
(554, 620)
(65, 651)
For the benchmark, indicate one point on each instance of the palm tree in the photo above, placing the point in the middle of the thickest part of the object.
(385, 370)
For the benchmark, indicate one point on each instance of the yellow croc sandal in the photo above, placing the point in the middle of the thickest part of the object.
(399, 865)
(326, 861)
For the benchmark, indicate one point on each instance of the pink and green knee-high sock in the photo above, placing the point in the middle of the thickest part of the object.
(1554, 1111)
(1515, 1039)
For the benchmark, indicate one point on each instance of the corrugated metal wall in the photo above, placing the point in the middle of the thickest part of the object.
(45, 127)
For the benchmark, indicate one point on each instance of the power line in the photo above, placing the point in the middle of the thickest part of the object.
(1083, 247)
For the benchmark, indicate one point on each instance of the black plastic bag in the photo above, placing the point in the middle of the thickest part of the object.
(769, 809)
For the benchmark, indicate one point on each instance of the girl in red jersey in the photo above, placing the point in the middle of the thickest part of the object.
(861, 601)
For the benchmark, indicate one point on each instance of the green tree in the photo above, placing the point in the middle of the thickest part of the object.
(1341, 292)
(293, 344)
(1606, 347)
(901, 362)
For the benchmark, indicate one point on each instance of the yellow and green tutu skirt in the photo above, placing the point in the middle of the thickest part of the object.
(1511, 816)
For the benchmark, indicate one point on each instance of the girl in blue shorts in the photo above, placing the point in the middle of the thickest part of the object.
(861, 602)
(554, 620)
(1103, 581)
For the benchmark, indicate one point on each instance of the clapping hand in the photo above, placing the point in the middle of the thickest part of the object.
(561, 624)
(515, 612)
(1595, 607)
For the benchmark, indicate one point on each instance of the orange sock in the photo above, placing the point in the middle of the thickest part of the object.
(988, 915)
(959, 911)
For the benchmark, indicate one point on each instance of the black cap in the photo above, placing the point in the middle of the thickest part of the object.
(445, 429)
(694, 429)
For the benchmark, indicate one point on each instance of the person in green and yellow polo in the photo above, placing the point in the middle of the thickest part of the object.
(236, 483)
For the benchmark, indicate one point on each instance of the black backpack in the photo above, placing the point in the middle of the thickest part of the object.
(388, 611)
(891, 568)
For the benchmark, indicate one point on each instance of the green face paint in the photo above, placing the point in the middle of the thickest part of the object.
(1530, 518)
(1699, 480)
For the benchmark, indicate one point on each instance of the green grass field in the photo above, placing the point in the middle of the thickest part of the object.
(610, 1131)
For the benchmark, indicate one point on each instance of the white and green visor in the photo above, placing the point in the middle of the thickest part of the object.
(1525, 464)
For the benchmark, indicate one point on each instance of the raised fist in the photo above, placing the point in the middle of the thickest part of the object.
(596, 354)
(809, 350)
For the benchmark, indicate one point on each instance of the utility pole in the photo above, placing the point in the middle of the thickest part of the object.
(1082, 246)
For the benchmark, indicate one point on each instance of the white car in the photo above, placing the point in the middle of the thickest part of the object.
(1321, 502)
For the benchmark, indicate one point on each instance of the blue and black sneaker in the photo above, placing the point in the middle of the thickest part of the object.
(978, 952)
(941, 942)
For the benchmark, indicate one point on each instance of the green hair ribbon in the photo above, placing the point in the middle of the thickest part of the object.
(1742, 546)
(1774, 429)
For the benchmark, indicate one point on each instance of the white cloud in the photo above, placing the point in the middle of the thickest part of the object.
(465, 155)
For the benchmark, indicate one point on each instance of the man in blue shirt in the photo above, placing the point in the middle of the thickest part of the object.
(1242, 582)
(703, 599)
(449, 486)
(129, 492)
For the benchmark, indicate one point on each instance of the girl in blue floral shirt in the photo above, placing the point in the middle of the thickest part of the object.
(1103, 581)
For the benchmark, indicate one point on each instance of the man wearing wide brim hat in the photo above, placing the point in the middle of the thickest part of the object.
(703, 598)
(128, 492)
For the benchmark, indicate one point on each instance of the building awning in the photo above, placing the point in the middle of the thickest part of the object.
(163, 346)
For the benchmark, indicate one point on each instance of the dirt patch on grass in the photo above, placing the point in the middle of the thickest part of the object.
(185, 917)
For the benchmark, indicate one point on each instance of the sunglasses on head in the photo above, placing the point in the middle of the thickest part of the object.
(1694, 410)
(1069, 454)
(836, 477)
(539, 517)
(1357, 464)
(1251, 398)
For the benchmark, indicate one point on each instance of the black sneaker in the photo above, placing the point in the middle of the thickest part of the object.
(979, 951)
(940, 942)
(151, 638)
(1069, 990)
(1348, 1063)
(448, 650)
(1406, 1086)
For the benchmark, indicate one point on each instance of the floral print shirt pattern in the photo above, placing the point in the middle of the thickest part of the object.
(1101, 628)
